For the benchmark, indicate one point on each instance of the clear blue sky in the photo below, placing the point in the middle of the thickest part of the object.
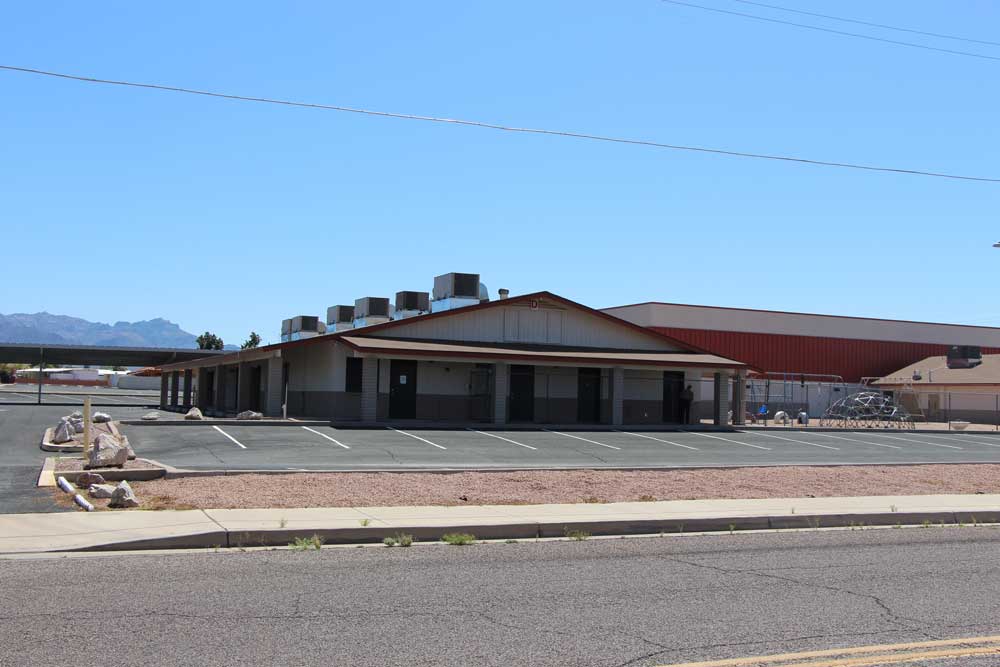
(129, 204)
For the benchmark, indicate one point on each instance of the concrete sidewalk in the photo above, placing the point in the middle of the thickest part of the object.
(125, 530)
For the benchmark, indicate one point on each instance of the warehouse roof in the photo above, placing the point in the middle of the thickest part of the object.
(532, 353)
(934, 371)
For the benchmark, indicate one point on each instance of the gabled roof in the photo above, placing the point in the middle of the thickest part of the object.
(532, 353)
(374, 329)
(934, 371)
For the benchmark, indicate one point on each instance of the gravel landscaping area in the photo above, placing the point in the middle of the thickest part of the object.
(550, 486)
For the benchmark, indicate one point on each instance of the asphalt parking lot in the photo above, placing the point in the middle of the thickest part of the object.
(239, 447)
(27, 394)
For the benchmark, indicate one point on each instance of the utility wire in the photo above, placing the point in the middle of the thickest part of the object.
(870, 24)
(844, 33)
(494, 126)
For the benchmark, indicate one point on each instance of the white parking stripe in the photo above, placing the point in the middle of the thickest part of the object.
(919, 442)
(735, 442)
(500, 437)
(324, 435)
(952, 439)
(641, 435)
(238, 443)
(864, 442)
(801, 442)
(593, 442)
(416, 437)
(978, 439)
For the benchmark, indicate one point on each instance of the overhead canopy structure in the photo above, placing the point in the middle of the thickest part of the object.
(96, 355)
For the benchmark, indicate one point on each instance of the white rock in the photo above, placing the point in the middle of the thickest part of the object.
(107, 451)
(151, 416)
(194, 413)
(128, 447)
(101, 490)
(77, 424)
(250, 414)
(63, 432)
(76, 415)
(123, 496)
(101, 417)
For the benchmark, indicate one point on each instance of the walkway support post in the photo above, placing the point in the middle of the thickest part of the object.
(501, 373)
(617, 395)
(739, 399)
(369, 389)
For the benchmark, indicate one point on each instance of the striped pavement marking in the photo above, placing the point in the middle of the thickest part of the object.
(238, 443)
(864, 442)
(500, 437)
(416, 437)
(801, 442)
(593, 442)
(717, 437)
(643, 435)
(324, 435)
(919, 442)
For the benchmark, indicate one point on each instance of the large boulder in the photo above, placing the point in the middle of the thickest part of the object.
(76, 414)
(194, 413)
(123, 496)
(128, 447)
(250, 414)
(85, 479)
(76, 423)
(101, 490)
(101, 417)
(107, 452)
(63, 432)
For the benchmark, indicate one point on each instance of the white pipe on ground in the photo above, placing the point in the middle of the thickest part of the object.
(65, 484)
(83, 502)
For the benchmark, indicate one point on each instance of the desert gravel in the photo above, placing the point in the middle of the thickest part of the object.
(550, 486)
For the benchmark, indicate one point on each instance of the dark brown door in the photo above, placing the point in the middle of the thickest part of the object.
(588, 396)
(402, 389)
(522, 393)
(673, 385)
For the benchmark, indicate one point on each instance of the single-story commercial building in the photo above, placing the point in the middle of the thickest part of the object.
(929, 388)
(535, 359)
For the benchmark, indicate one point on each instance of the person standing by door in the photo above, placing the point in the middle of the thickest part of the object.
(687, 397)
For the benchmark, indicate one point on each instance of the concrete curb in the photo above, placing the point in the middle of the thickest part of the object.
(235, 538)
(47, 476)
(49, 446)
(211, 421)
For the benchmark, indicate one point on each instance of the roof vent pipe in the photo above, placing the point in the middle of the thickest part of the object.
(504, 292)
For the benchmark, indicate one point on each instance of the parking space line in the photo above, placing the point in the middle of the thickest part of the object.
(864, 442)
(919, 442)
(978, 439)
(801, 442)
(641, 435)
(238, 443)
(500, 437)
(416, 437)
(735, 442)
(951, 439)
(593, 442)
(324, 435)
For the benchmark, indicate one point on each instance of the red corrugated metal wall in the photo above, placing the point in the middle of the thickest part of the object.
(852, 359)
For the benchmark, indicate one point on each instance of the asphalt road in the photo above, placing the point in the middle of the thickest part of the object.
(240, 447)
(639, 601)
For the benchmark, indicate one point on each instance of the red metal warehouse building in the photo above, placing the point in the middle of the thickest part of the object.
(805, 343)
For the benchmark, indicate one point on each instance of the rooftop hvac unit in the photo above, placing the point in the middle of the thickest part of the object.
(964, 356)
(305, 323)
(371, 306)
(339, 314)
(418, 301)
(456, 285)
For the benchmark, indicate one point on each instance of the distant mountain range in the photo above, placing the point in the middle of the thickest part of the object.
(61, 329)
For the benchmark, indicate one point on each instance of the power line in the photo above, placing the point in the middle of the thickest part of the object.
(843, 33)
(869, 23)
(494, 126)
